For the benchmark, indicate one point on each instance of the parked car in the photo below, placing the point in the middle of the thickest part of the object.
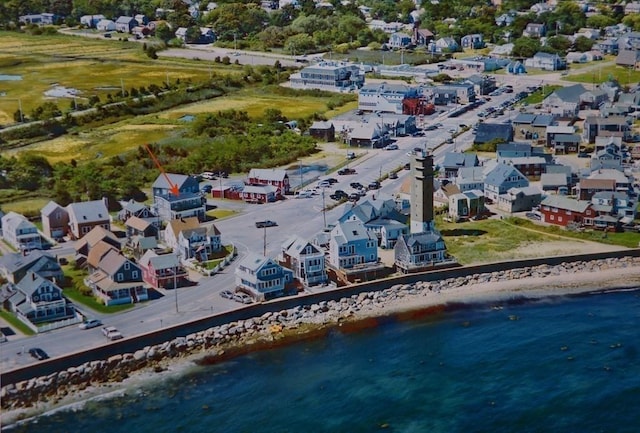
(111, 333)
(356, 185)
(324, 184)
(208, 175)
(393, 175)
(332, 180)
(407, 166)
(90, 323)
(374, 185)
(266, 223)
(354, 196)
(346, 170)
(38, 353)
(351, 155)
(243, 298)
(227, 294)
(206, 189)
(304, 194)
(391, 147)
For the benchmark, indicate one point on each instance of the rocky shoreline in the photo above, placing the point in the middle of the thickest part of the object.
(313, 321)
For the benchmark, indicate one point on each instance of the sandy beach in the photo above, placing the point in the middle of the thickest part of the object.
(413, 304)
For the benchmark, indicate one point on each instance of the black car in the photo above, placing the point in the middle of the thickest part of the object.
(332, 180)
(38, 353)
(346, 170)
(356, 185)
(374, 185)
(206, 188)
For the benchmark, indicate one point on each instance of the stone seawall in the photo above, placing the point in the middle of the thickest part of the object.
(279, 327)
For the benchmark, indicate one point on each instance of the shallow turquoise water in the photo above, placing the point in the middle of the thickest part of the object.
(561, 365)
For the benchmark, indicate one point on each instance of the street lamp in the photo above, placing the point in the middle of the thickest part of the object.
(175, 280)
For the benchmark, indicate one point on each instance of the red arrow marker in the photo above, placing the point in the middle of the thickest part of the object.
(173, 188)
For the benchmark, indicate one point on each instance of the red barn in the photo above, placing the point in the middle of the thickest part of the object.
(268, 176)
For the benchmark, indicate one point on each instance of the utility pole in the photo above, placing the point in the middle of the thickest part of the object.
(175, 280)
(324, 211)
(122, 86)
(264, 242)
(301, 181)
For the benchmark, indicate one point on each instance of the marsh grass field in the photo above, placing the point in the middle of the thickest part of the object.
(91, 66)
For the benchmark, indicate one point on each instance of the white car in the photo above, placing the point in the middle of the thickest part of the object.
(391, 147)
(90, 323)
(111, 333)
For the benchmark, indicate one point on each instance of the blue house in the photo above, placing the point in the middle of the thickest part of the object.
(187, 203)
(352, 245)
(516, 68)
(263, 278)
(474, 41)
(501, 179)
(399, 40)
(381, 219)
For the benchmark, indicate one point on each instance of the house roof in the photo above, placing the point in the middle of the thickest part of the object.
(610, 173)
(321, 125)
(457, 159)
(500, 173)
(50, 208)
(493, 131)
(13, 262)
(162, 261)
(124, 20)
(297, 245)
(97, 252)
(176, 179)
(30, 283)
(94, 236)
(570, 93)
(268, 174)
(137, 223)
(88, 211)
(566, 203)
(178, 225)
(604, 184)
(425, 238)
(145, 242)
(349, 231)
(112, 261)
(366, 131)
(553, 179)
(133, 206)
(567, 138)
(253, 261)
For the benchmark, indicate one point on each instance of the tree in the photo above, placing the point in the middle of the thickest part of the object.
(583, 43)
(525, 47)
(192, 35)
(164, 32)
(557, 44)
(300, 43)
(600, 21)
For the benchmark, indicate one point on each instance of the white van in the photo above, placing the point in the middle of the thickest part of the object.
(304, 194)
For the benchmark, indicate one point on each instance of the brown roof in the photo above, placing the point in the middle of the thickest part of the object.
(602, 184)
(176, 226)
(137, 223)
(97, 252)
(112, 261)
(96, 235)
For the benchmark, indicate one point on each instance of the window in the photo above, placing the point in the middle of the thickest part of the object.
(134, 274)
(127, 266)
(119, 277)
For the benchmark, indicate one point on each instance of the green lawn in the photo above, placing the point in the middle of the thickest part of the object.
(494, 240)
(75, 290)
(14, 322)
(603, 71)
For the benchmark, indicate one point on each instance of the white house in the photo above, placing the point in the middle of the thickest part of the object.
(263, 278)
(21, 233)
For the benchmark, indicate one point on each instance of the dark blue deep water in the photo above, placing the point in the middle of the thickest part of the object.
(556, 365)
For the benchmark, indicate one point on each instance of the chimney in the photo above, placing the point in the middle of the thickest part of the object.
(33, 276)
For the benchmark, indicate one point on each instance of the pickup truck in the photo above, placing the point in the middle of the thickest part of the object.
(267, 223)
(111, 333)
(346, 170)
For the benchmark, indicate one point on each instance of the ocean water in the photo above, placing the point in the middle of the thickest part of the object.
(568, 364)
